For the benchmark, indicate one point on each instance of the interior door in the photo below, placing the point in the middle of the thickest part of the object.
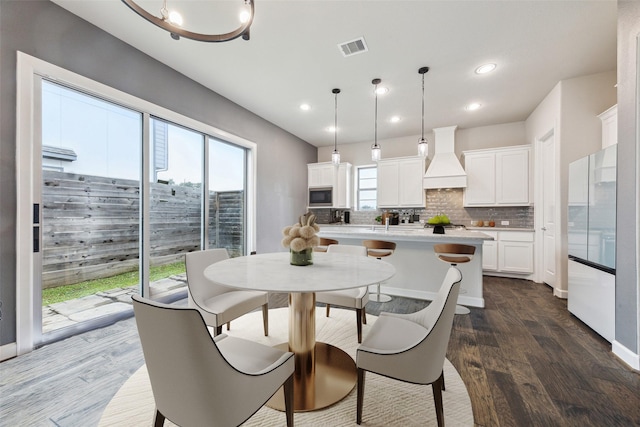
(549, 211)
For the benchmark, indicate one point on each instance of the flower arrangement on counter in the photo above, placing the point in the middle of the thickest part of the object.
(301, 238)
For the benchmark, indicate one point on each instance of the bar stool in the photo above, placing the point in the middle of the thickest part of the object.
(379, 249)
(324, 242)
(454, 254)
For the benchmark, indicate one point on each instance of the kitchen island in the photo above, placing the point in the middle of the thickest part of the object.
(419, 273)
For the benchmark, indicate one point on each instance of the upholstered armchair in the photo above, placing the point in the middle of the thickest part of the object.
(355, 298)
(412, 347)
(220, 304)
(198, 380)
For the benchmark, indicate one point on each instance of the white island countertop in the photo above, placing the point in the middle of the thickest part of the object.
(406, 233)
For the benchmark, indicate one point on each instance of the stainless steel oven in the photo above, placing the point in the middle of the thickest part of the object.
(321, 197)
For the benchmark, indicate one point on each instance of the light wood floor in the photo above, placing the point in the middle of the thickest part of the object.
(525, 360)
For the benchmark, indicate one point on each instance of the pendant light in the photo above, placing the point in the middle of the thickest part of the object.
(376, 152)
(423, 146)
(335, 157)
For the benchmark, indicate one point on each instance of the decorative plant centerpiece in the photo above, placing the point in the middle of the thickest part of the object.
(301, 238)
(438, 222)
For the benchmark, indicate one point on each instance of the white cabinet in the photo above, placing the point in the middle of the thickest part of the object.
(511, 252)
(339, 179)
(490, 252)
(320, 174)
(498, 177)
(609, 126)
(481, 179)
(400, 182)
(342, 187)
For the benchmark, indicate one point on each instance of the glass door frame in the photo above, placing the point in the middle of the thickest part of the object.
(30, 71)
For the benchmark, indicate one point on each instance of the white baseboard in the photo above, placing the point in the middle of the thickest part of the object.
(627, 356)
(561, 293)
(427, 296)
(8, 351)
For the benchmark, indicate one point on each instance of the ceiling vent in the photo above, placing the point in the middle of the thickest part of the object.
(353, 47)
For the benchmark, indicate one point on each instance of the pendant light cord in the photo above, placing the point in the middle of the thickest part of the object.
(375, 132)
(335, 127)
(422, 107)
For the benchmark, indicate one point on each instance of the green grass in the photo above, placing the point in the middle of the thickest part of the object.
(90, 287)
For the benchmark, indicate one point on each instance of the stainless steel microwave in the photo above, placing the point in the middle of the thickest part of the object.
(321, 196)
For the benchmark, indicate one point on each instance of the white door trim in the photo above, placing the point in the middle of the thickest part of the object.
(558, 290)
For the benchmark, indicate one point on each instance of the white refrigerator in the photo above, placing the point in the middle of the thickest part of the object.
(591, 230)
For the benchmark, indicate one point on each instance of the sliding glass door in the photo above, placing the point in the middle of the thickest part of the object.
(227, 197)
(113, 191)
(91, 238)
(90, 207)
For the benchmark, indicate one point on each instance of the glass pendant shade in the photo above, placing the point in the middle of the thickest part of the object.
(423, 148)
(335, 157)
(376, 152)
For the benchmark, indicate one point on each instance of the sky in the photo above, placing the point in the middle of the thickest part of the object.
(106, 139)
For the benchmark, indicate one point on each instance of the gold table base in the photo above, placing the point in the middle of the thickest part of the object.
(335, 376)
(324, 374)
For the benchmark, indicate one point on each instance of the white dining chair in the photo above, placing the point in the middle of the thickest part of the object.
(198, 380)
(411, 347)
(220, 304)
(355, 298)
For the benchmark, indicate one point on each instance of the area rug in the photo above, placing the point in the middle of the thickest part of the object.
(386, 402)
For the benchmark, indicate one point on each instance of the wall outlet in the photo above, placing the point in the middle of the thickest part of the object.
(504, 222)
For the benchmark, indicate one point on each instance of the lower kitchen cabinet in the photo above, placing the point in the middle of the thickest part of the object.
(511, 252)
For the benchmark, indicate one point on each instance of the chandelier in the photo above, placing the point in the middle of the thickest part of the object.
(172, 22)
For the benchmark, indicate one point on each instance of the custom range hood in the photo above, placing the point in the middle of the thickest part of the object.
(445, 170)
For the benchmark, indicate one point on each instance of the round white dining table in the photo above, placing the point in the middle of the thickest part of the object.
(324, 374)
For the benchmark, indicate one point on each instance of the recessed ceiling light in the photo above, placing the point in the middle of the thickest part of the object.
(305, 107)
(331, 129)
(394, 119)
(486, 68)
(382, 90)
(473, 106)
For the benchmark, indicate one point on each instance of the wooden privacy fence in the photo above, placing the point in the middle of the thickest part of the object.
(90, 226)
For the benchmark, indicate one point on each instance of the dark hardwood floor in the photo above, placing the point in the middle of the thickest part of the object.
(525, 360)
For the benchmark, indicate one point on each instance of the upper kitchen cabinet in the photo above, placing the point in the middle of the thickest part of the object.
(326, 175)
(400, 182)
(609, 126)
(498, 177)
(342, 187)
(320, 174)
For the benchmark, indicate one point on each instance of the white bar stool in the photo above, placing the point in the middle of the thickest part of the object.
(454, 254)
(379, 249)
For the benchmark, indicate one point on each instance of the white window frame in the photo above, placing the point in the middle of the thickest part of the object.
(357, 186)
(30, 71)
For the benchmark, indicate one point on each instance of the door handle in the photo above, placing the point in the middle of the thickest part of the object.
(544, 229)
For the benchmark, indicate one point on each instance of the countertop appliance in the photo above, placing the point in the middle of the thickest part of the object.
(592, 240)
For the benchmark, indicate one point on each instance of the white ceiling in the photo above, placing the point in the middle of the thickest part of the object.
(293, 57)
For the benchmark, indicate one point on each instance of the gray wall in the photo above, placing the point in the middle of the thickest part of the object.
(46, 31)
(627, 281)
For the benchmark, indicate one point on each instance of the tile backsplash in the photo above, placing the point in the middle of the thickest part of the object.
(449, 202)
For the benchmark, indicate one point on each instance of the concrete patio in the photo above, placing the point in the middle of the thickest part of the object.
(114, 301)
